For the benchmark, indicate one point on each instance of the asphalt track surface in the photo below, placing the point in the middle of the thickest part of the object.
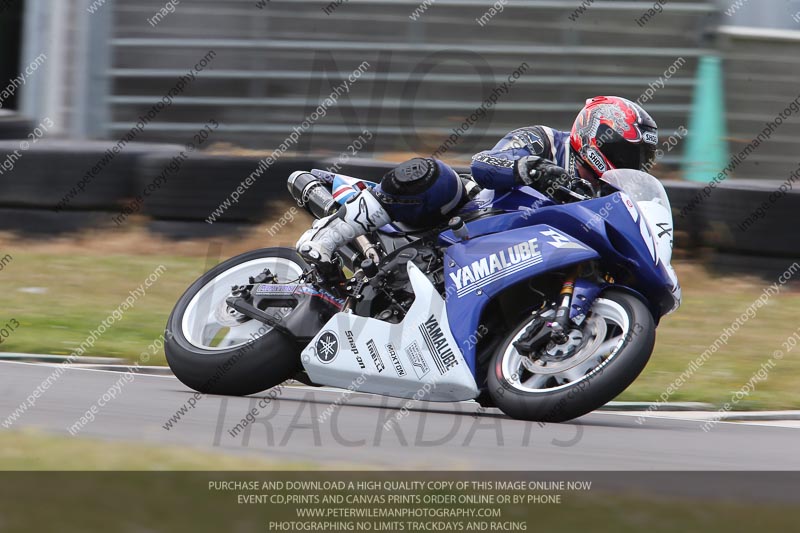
(430, 437)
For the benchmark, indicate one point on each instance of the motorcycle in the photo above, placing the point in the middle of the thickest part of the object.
(546, 310)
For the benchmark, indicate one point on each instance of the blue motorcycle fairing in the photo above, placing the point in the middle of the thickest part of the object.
(604, 224)
(518, 204)
(604, 228)
(607, 228)
(477, 270)
(583, 296)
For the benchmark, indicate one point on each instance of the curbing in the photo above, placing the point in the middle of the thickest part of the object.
(40, 358)
(656, 407)
(112, 364)
(746, 416)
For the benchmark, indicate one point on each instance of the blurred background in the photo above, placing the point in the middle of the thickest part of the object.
(107, 64)
(719, 69)
(103, 100)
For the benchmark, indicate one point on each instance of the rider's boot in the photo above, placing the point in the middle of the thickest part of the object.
(362, 214)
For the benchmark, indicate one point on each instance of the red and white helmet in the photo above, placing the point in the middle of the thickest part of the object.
(612, 132)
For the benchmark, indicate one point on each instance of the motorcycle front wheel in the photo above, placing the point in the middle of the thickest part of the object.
(213, 349)
(564, 381)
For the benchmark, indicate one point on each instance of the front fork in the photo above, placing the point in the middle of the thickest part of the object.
(578, 292)
(560, 325)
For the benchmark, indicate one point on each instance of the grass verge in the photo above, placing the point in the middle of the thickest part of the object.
(59, 293)
(35, 451)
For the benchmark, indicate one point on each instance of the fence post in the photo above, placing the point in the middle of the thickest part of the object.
(706, 149)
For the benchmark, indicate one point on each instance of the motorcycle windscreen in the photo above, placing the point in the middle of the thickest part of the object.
(653, 202)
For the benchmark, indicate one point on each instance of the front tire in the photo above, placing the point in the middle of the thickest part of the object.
(616, 341)
(214, 350)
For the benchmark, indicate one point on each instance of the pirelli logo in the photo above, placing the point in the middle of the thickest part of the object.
(376, 356)
(443, 356)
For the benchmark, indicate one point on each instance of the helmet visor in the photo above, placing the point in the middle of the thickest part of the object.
(623, 153)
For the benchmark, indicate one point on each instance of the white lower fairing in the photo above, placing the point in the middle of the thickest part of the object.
(417, 358)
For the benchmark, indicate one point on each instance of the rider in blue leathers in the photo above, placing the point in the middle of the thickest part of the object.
(497, 168)
(609, 132)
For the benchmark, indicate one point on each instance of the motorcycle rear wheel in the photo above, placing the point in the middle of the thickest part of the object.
(213, 349)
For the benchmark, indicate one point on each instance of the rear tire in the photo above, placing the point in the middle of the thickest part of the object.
(246, 367)
(558, 402)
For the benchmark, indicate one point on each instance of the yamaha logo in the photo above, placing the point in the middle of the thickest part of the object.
(327, 347)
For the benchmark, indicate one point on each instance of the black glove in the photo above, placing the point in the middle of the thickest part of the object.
(582, 187)
(551, 179)
(540, 173)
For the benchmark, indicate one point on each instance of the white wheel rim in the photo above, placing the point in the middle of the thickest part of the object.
(599, 348)
(207, 315)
